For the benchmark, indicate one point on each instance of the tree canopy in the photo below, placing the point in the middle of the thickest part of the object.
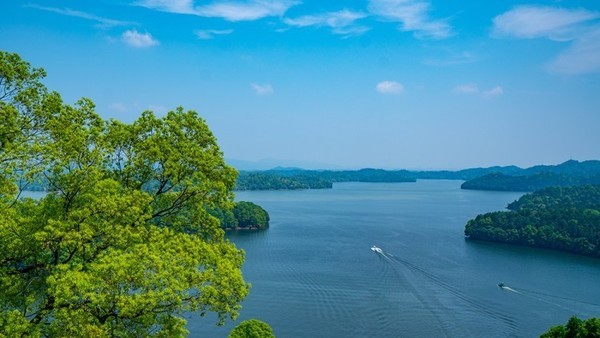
(252, 328)
(122, 244)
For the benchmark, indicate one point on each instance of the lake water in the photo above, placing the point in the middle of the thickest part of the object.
(313, 272)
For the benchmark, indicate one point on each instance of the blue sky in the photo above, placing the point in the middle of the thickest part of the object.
(341, 84)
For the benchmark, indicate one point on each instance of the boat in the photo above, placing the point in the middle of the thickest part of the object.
(501, 285)
(376, 249)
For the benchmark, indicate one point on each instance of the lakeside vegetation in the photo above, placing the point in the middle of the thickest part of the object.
(559, 218)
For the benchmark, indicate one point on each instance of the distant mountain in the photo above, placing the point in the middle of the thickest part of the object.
(569, 173)
(268, 164)
(511, 178)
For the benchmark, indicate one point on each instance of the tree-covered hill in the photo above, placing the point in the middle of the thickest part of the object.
(538, 177)
(315, 179)
(560, 218)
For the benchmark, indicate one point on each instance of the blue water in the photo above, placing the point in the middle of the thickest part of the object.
(313, 273)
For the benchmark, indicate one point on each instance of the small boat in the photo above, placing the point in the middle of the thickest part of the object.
(501, 285)
(376, 249)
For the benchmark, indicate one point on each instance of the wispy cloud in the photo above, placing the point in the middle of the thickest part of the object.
(466, 89)
(341, 22)
(451, 60)
(472, 89)
(389, 87)
(208, 34)
(583, 56)
(228, 10)
(413, 16)
(101, 22)
(119, 107)
(262, 89)
(139, 40)
(528, 22)
(579, 27)
(171, 6)
(494, 92)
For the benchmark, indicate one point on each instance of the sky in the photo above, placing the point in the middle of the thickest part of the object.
(394, 84)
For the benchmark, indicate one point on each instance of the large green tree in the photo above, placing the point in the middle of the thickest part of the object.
(122, 244)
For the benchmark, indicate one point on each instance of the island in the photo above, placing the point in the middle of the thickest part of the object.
(244, 216)
(558, 218)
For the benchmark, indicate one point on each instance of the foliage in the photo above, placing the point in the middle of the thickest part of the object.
(562, 218)
(122, 245)
(252, 329)
(226, 217)
(250, 215)
(575, 328)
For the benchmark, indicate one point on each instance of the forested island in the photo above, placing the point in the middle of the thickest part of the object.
(244, 216)
(560, 218)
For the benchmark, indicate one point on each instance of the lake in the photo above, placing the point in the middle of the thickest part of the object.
(313, 272)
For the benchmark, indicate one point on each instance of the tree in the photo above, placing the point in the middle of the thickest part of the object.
(122, 244)
(575, 328)
(252, 328)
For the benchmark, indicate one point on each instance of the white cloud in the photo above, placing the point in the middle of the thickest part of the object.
(171, 6)
(496, 91)
(340, 22)
(473, 89)
(138, 40)
(104, 23)
(157, 108)
(583, 56)
(466, 89)
(228, 10)
(262, 89)
(413, 16)
(389, 87)
(579, 27)
(119, 107)
(209, 34)
(451, 60)
(541, 22)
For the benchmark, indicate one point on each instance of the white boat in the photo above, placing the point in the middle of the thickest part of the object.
(376, 249)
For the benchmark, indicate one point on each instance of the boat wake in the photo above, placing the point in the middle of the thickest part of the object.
(507, 288)
(547, 298)
(450, 289)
